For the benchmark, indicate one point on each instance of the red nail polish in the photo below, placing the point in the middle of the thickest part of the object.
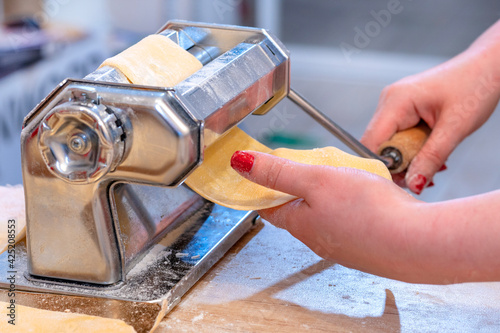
(242, 161)
(443, 167)
(419, 183)
(431, 184)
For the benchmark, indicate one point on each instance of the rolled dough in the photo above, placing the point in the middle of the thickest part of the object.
(158, 61)
(42, 321)
(155, 61)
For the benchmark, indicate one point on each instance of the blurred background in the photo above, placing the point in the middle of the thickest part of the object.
(343, 53)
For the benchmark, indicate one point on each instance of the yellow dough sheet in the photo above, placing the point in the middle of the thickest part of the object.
(216, 181)
(158, 61)
(155, 61)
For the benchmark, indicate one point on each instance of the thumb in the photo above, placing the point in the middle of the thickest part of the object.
(430, 158)
(274, 172)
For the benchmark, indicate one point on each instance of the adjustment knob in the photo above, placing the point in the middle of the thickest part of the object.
(81, 142)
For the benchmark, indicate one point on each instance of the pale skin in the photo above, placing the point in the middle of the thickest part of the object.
(366, 222)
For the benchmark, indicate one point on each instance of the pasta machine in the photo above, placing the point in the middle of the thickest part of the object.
(104, 161)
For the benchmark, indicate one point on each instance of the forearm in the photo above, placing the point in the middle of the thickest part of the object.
(441, 243)
(490, 38)
(460, 239)
(485, 51)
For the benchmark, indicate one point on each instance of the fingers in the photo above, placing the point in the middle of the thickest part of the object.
(274, 172)
(395, 112)
(285, 176)
(399, 179)
(430, 159)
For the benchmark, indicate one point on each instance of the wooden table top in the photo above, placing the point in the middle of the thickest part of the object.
(270, 282)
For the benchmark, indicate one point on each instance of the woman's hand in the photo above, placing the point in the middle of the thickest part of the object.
(347, 215)
(454, 99)
(366, 222)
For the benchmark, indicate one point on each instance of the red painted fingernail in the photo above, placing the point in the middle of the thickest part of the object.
(419, 183)
(443, 167)
(431, 184)
(242, 161)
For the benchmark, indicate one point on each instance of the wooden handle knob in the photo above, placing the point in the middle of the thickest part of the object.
(404, 145)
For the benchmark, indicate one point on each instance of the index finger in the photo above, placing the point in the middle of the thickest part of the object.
(393, 114)
(276, 173)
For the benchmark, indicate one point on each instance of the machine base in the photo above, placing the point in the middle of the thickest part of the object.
(160, 279)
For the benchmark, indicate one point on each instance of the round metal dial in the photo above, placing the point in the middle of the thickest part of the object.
(81, 142)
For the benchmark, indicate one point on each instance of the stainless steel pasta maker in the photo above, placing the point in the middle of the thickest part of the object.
(104, 161)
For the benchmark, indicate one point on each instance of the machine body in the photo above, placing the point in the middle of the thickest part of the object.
(104, 159)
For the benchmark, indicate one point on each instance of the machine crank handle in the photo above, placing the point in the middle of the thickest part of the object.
(396, 153)
(403, 146)
(333, 128)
